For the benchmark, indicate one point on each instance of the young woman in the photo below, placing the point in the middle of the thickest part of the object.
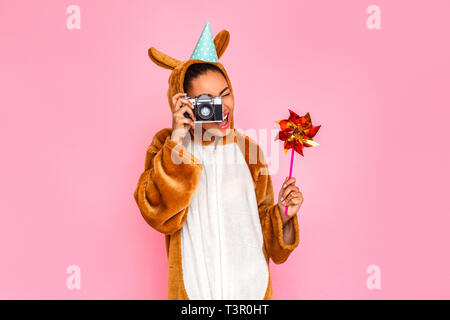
(203, 189)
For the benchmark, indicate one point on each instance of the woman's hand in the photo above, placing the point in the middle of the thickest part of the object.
(181, 124)
(290, 196)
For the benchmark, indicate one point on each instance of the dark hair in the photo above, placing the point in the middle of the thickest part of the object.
(196, 69)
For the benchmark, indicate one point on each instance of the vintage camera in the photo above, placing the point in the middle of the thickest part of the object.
(206, 108)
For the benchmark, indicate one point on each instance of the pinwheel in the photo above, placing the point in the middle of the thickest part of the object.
(297, 132)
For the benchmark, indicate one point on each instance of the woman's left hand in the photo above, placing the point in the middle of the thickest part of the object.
(290, 196)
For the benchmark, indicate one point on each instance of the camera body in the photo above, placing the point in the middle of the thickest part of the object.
(206, 108)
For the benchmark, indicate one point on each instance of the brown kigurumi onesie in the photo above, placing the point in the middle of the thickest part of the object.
(219, 219)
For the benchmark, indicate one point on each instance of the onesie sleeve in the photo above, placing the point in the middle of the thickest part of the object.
(166, 186)
(269, 214)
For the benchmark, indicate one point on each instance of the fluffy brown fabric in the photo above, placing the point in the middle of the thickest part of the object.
(172, 173)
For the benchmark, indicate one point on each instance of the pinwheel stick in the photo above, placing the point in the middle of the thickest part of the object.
(290, 175)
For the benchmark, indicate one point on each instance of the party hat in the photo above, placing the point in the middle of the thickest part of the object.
(205, 49)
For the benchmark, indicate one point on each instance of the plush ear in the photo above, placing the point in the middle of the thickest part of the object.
(221, 42)
(162, 59)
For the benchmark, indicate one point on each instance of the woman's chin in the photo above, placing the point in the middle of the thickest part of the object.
(217, 130)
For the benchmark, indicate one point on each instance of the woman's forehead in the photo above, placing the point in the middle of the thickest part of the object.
(210, 83)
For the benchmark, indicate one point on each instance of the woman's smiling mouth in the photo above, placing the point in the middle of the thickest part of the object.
(225, 123)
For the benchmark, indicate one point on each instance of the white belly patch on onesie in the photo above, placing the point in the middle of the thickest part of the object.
(221, 239)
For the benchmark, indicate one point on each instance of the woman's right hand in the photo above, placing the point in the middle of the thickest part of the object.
(181, 124)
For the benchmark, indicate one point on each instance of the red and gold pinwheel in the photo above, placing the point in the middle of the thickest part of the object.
(297, 132)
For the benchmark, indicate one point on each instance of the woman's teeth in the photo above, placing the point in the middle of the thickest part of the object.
(224, 122)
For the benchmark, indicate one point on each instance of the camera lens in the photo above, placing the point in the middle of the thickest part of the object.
(205, 112)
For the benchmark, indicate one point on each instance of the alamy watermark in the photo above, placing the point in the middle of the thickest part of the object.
(264, 138)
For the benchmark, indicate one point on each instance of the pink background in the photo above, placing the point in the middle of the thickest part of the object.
(80, 107)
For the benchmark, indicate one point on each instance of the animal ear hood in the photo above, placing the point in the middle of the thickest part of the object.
(206, 51)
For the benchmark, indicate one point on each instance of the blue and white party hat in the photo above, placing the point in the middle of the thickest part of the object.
(205, 49)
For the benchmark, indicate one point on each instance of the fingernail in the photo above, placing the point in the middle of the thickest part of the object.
(281, 199)
(284, 185)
